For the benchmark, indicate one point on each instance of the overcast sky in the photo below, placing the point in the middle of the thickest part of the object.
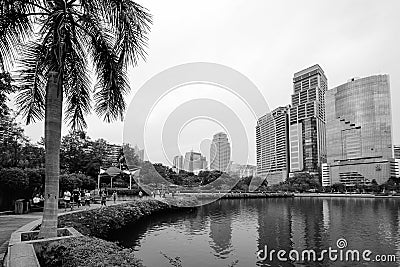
(267, 41)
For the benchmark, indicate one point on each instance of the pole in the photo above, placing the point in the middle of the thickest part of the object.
(98, 182)
(130, 180)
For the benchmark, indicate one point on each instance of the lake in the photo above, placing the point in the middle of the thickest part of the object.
(236, 232)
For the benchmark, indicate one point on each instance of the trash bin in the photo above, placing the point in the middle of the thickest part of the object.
(19, 206)
(26, 206)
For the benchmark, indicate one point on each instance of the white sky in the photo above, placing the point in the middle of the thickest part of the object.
(267, 41)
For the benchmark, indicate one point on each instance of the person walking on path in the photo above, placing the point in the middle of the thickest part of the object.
(67, 199)
(77, 198)
(115, 196)
(87, 198)
(103, 199)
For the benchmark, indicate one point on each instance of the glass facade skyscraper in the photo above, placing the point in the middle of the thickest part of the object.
(359, 130)
(220, 152)
(359, 119)
(307, 121)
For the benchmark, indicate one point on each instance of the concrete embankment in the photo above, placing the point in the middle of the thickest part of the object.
(204, 195)
(343, 195)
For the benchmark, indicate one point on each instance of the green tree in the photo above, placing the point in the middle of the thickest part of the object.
(35, 181)
(14, 183)
(98, 157)
(339, 187)
(73, 157)
(111, 34)
(374, 186)
(302, 182)
(12, 141)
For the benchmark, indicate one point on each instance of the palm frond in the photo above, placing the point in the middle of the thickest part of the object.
(76, 80)
(15, 27)
(32, 81)
(131, 24)
(112, 84)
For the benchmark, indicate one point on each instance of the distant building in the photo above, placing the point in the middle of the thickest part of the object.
(307, 121)
(272, 145)
(114, 152)
(396, 162)
(220, 152)
(326, 178)
(178, 163)
(139, 152)
(396, 152)
(194, 162)
(395, 168)
(359, 131)
(242, 170)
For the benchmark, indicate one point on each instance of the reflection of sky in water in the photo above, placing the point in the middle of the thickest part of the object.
(229, 230)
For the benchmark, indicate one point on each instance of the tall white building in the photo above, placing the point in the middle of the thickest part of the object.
(220, 152)
(178, 163)
(272, 145)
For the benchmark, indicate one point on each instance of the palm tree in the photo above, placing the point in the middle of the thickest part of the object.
(54, 43)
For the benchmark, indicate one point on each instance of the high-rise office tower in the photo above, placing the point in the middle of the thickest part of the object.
(220, 152)
(178, 163)
(194, 161)
(359, 131)
(307, 121)
(272, 145)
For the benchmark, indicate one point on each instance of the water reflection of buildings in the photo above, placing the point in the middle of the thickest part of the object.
(326, 214)
(221, 230)
(196, 225)
(310, 220)
(274, 228)
(318, 223)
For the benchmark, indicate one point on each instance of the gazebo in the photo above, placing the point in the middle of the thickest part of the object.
(114, 171)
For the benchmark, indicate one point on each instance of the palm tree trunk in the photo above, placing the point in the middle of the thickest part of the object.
(52, 133)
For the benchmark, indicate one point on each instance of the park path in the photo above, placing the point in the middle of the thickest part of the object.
(12, 222)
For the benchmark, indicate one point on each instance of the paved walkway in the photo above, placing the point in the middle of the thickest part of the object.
(10, 223)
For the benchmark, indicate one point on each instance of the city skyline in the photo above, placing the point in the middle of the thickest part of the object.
(358, 40)
(341, 135)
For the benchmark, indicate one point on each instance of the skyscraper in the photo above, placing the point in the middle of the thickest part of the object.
(272, 145)
(307, 121)
(178, 163)
(220, 152)
(359, 130)
(194, 161)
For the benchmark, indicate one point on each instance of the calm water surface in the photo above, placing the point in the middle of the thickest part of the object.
(234, 230)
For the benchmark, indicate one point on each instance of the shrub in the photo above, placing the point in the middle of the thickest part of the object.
(124, 192)
(86, 251)
(104, 221)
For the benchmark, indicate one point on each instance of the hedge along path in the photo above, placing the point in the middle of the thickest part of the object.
(102, 222)
(99, 224)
